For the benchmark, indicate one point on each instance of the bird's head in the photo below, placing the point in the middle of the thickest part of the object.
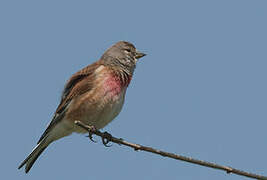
(123, 55)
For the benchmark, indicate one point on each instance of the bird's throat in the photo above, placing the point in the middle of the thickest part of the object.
(117, 82)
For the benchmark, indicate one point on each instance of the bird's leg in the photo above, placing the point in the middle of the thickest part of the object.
(90, 135)
(106, 138)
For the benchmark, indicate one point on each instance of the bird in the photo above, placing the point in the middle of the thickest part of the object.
(94, 96)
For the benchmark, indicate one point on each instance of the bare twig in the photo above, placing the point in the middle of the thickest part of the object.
(137, 147)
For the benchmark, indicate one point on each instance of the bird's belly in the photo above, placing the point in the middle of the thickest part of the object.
(109, 112)
(104, 111)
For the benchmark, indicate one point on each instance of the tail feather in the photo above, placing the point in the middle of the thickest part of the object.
(32, 157)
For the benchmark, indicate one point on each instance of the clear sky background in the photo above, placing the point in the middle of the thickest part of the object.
(201, 91)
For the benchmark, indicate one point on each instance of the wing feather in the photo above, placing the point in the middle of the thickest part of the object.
(79, 83)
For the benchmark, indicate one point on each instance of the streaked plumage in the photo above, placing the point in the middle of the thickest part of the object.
(93, 95)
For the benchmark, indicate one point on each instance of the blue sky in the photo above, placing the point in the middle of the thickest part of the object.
(200, 91)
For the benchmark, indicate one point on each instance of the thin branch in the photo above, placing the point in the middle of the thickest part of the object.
(137, 147)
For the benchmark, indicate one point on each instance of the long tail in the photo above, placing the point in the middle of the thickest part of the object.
(32, 157)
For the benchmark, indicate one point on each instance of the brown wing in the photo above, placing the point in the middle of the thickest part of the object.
(78, 84)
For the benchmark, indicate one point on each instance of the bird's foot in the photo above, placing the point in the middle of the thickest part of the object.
(90, 135)
(106, 138)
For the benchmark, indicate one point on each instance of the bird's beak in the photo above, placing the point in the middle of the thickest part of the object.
(139, 54)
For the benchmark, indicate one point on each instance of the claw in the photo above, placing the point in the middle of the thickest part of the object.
(90, 135)
(106, 139)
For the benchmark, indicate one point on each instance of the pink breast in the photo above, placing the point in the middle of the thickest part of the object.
(112, 85)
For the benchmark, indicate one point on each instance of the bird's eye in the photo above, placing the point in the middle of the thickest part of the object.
(128, 50)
